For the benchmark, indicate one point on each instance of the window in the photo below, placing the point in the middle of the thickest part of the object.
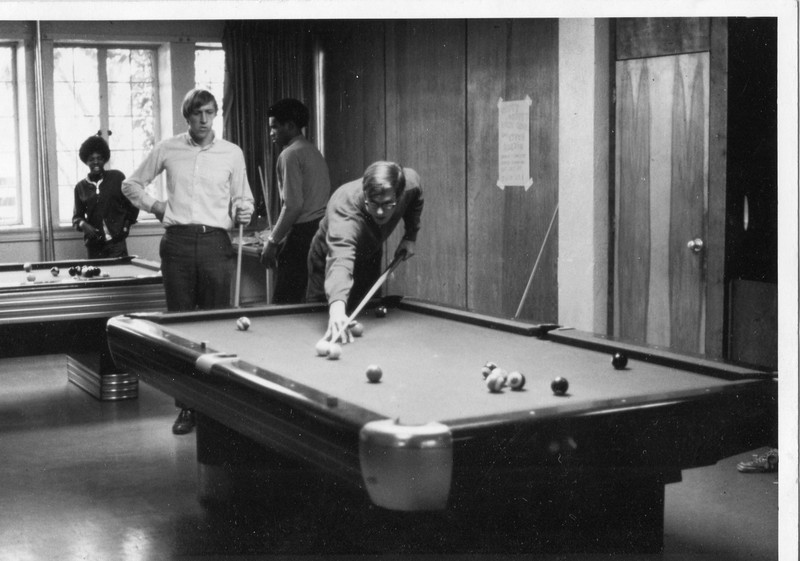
(10, 181)
(107, 91)
(209, 73)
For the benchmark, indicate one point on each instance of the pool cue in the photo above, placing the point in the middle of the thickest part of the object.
(378, 283)
(536, 264)
(265, 192)
(239, 262)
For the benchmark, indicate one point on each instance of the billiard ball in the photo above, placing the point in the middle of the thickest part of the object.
(559, 386)
(500, 372)
(31, 277)
(72, 271)
(55, 271)
(619, 361)
(356, 329)
(243, 323)
(495, 381)
(515, 380)
(322, 347)
(487, 369)
(335, 351)
(381, 311)
(27, 267)
(374, 373)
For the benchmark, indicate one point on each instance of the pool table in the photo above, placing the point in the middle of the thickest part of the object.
(430, 436)
(58, 313)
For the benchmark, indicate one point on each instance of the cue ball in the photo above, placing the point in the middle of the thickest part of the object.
(559, 386)
(27, 267)
(515, 380)
(356, 329)
(374, 373)
(381, 312)
(495, 381)
(55, 271)
(31, 277)
(335, 351)
(619, 361)
(322, 347)
(243, 323)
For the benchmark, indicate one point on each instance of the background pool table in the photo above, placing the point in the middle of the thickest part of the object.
(63, 314)
(430, 436)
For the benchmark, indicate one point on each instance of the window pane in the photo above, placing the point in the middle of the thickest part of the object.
(118, 65)
(142, 65)
(10, 186)
(6, 68)
(84, 67)
(130, 89)
(209, 73)
(7, 105)
(119, 99)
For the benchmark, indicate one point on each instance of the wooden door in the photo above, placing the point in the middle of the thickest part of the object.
(662, 146)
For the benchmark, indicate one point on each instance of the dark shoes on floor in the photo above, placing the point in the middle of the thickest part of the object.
(184, 423)
(761, 463)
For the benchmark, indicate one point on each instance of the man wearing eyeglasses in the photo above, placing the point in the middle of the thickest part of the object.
(345, 256)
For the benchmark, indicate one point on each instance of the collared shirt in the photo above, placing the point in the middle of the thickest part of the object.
(204, 183)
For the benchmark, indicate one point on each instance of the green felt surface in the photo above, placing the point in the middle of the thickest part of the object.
(432, 367)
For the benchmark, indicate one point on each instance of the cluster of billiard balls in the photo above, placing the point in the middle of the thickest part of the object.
(333, 350)
(86, 271)
(497, 378)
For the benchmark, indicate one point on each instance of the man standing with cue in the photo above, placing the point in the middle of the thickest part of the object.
(207, 194)
(304, 186)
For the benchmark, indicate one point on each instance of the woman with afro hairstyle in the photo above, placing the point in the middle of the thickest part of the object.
(101, 211)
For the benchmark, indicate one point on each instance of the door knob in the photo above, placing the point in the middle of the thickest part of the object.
(695, 245)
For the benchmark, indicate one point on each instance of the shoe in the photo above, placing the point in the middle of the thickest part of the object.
(184, 423)
(763, 463)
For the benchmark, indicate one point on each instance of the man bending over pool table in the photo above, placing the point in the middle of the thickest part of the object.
(345, 256)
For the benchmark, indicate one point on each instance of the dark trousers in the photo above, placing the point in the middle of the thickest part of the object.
(196, 269)
(108, 249)
(196, 264)
(291, 276)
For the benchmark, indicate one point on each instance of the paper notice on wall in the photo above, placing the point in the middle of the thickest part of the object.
(514, 141)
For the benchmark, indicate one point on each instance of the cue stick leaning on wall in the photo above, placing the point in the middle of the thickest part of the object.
(536, 264)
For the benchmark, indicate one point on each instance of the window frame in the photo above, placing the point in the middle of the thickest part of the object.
(102, 47)
(22, 179)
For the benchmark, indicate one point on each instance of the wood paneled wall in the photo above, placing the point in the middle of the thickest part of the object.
(435, 110)
(512, 59)
(355, 107)
(425, 130)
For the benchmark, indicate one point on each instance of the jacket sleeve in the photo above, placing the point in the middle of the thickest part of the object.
(78, 208)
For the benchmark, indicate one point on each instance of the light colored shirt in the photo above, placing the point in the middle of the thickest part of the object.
(205, 184)
(304, 185)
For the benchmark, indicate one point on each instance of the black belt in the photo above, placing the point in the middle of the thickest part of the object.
(193, 229)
